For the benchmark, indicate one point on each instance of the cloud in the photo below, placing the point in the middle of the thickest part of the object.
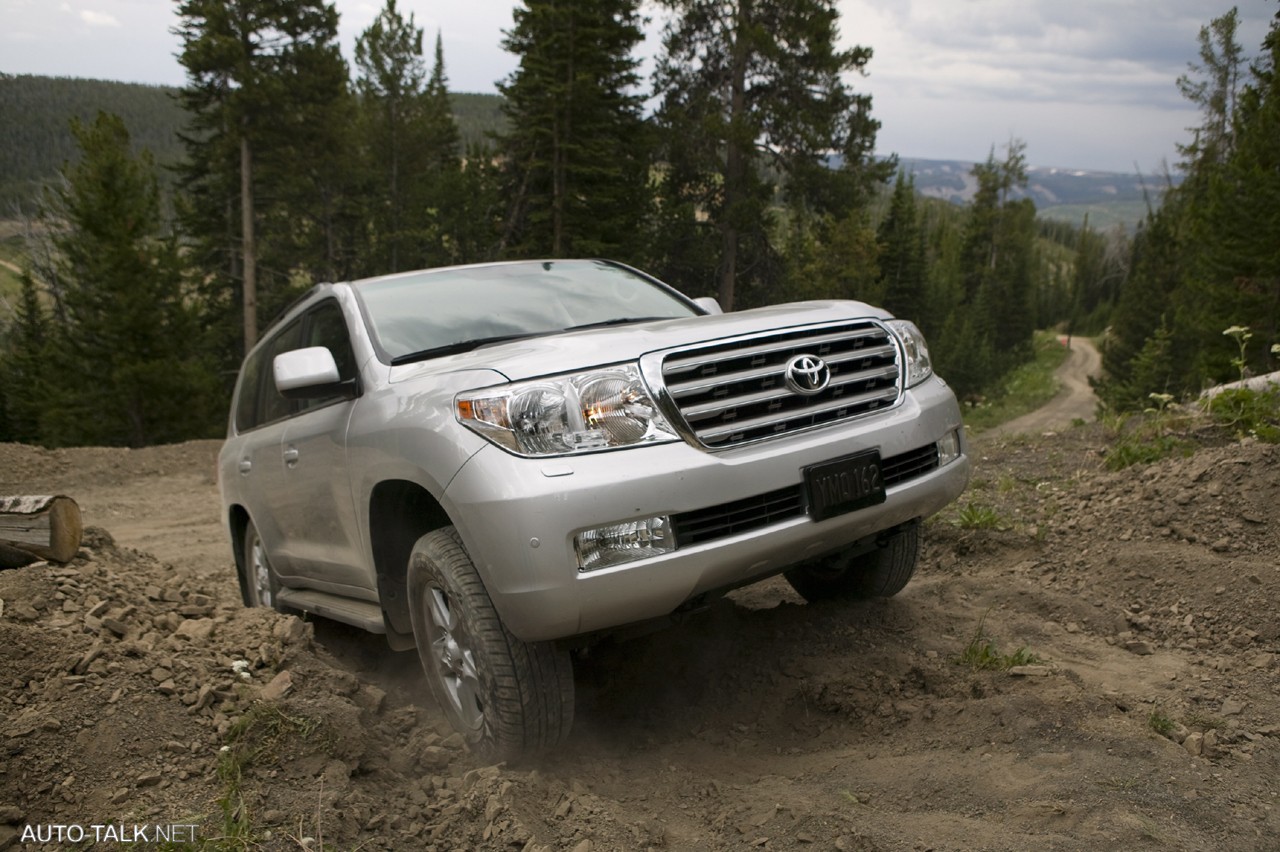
(98, 19)
(1035, 51)
(1085, 82)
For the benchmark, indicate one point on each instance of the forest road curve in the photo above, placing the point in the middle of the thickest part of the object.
(1075, 400)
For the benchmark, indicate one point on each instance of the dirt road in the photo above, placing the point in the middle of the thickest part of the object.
(1075, 400)
(134, 688)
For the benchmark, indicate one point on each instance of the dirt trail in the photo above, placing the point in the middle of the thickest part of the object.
(1150, 718)
(1075, 400)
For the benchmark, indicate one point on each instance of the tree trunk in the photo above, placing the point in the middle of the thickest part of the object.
(560, 162)
(735, 167)
(249, 247)
(38, 527)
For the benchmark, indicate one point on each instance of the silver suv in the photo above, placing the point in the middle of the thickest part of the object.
(496, 464)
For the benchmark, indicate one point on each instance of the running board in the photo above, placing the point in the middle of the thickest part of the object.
(363, 614)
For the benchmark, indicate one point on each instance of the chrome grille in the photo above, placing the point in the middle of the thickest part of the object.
(736, 392)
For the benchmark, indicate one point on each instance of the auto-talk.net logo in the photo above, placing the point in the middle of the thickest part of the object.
(807, 375)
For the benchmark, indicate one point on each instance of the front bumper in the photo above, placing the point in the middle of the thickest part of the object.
(518, 517)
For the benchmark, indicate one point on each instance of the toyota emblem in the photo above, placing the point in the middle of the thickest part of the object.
(808, 375)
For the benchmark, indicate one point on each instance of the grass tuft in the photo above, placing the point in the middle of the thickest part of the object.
(257, 737)
(981, 654)
(1160, 722)
(977, 516)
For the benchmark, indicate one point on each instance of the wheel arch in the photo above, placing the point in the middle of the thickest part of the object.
(237, 523)
(400, 513)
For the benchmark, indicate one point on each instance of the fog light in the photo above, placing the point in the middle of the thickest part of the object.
(949, 448)
(617, 544)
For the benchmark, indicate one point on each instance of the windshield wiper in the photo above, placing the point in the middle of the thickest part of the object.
(476, 343)
(459, 346)
(617, 321)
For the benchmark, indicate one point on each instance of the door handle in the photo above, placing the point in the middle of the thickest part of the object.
(291, 456)
(245, 465)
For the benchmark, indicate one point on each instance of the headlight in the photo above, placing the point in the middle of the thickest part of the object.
(596, 410)
(919, 367)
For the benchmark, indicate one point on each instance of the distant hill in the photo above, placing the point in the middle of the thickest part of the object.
(1108, 198)
(35, 117)
(36, 112)
(477, 115)
(35, 142)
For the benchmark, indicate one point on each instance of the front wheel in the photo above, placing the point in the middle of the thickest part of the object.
(507, 697)
(261, 585)
(882, 573)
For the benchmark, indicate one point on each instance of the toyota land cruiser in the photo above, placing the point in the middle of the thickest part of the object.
(495, 463)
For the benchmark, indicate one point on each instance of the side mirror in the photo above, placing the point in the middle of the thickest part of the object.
(309, 373)
(708, 304)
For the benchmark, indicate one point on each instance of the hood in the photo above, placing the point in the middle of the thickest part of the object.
(597, 347)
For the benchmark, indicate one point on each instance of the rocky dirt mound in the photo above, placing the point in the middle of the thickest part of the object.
(1143, 712)
(134, 694)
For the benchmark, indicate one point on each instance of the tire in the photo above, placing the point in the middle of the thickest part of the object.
(509, 699)
(261, 585)
(882, 573)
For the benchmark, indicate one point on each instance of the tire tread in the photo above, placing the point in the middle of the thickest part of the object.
(533, 681)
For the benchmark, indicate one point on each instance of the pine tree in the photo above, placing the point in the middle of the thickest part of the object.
(24, 367)
(1152, 371)
(997, 262)
(749, 87)
(575, 159)
(829, 259)
(1240, 260)
(122, 372)
(1207, 259)
(265, 174)
(392, 73)
(902, 257)
(1213, 86)
(443, 141)
(458, 212)
(1155, 271)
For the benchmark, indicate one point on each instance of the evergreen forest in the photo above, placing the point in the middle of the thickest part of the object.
(182, 220)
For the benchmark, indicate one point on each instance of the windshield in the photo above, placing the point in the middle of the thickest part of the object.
(420, 312)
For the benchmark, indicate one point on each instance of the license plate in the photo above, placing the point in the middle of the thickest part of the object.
(843, 485)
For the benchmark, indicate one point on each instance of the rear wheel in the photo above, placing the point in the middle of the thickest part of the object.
(881, 573)
(261, 584)
(507, 697)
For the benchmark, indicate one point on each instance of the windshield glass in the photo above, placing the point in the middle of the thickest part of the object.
(434, 309)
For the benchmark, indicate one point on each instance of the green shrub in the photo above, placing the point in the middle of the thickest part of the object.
(1248, 412)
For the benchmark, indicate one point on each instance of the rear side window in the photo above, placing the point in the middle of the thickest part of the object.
(260, 403)
(247, 402)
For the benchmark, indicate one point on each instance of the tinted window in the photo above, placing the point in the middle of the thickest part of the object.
(271, 405)
(425, 310)
(259, 400)
(326, 326)
(250, 390)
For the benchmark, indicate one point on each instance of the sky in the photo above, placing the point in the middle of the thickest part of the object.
(1086, 84)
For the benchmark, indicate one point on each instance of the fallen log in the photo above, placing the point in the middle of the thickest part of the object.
(38, 527)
